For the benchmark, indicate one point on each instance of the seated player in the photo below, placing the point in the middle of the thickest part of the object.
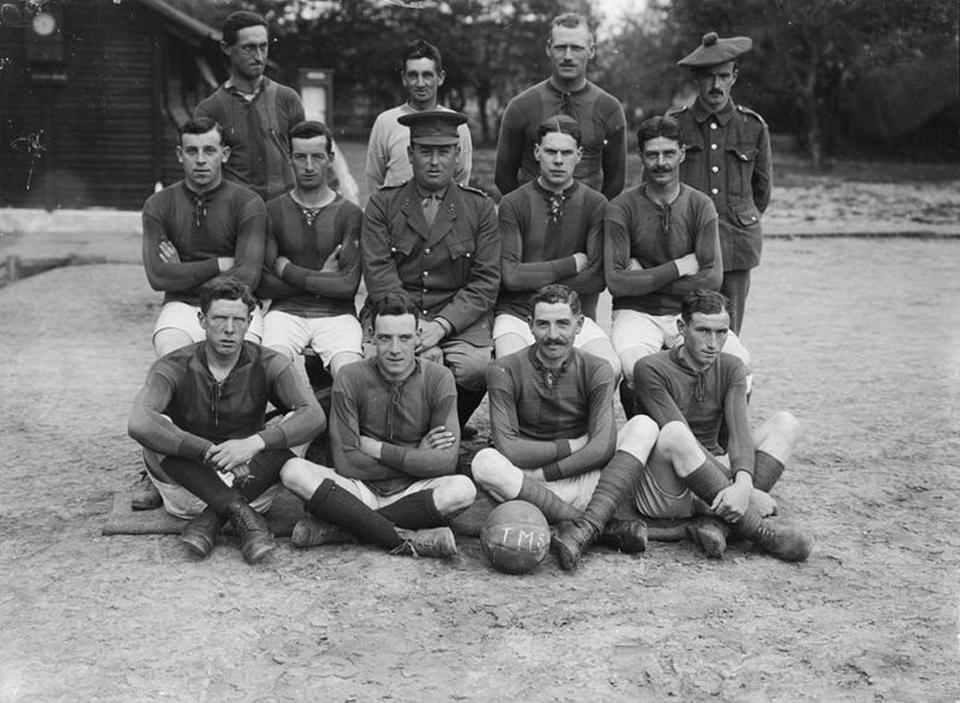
(557, 446)
(200, 419)
(312, 260)
(689, 391)
(197, 229)
(662, 242)
(551, 231)
(193, 231)
(395, 441)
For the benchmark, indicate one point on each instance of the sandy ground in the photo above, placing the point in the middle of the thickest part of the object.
(858, 337)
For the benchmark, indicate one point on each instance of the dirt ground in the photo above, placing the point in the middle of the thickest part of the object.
(858, 337)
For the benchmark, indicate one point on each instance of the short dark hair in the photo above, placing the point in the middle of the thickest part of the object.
(225, 288)
(308, 129)
(556, 293)
(394, 303)
(241, 19)
(570, 20)
(201, 125)
(658, 126)
(560, 123)
(707, 302)
(421, 49)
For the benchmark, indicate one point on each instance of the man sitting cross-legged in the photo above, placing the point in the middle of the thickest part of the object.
(551, 417)
(689, 391)
(395, 441)
(200, 418)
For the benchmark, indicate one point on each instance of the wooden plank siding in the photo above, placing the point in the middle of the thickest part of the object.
(107, 135)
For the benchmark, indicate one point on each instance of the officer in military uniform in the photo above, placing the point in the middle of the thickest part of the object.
(728, 158)
(439, 242)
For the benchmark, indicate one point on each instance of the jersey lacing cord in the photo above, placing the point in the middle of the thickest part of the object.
(666, 218)
(396, 399)
(699, 390)
(215, 402)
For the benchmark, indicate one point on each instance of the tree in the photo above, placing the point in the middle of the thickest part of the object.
(807, 55)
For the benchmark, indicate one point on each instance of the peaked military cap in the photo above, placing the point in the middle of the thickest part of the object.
(433, 127)
(713, 50)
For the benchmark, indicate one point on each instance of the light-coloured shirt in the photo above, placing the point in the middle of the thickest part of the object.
(387, 160)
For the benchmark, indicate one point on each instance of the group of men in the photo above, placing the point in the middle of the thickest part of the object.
(452, 282)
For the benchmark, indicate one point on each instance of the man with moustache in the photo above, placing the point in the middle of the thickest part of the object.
(256, 112)
(200, 420)
(567, 91)
(312, 259)
(728, 158)
(422, 74)
(438, 241)
(555, 439)
(661, 243)
(551, 231)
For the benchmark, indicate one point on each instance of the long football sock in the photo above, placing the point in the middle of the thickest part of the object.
(414, 512)
(617, 480)
(554, 508)
(767, 470)
(340, 507)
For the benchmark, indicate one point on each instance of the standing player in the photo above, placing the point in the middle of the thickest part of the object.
(439, 242)
(728, 158)
(256, 112)
(690, 391)
(661, 243)
(557, 446)
(566, 92)
(312, 260)
(200, 419)
(395, 441)
(551, 231)
(193, 231)
(421, 72)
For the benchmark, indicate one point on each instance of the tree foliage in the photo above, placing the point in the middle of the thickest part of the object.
(807, 59)
(490, 49)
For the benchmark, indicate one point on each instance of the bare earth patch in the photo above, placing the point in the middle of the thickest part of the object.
(857, 337)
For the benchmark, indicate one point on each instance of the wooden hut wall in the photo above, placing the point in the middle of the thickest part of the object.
(98, 127)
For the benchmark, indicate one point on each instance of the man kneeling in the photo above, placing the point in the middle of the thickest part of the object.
(200, 419)
(395, 439)
(691, 391)
(551, 417)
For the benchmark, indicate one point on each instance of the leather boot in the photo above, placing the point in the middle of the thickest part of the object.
(200, 534)
(629, 536)
(436, 542)
(145, 495)
(310, 532)
(710, 533)
(255, 538)
(571, 541)
(783, 542)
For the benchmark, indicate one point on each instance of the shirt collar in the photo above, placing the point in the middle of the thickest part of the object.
(701, 112)
(230, 87)
(423, 195)
(539, 366)
(560, 91)
(417, 368)
(200, 356)
(566, 192)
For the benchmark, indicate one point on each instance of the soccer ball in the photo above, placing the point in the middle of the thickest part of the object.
(515, 538)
